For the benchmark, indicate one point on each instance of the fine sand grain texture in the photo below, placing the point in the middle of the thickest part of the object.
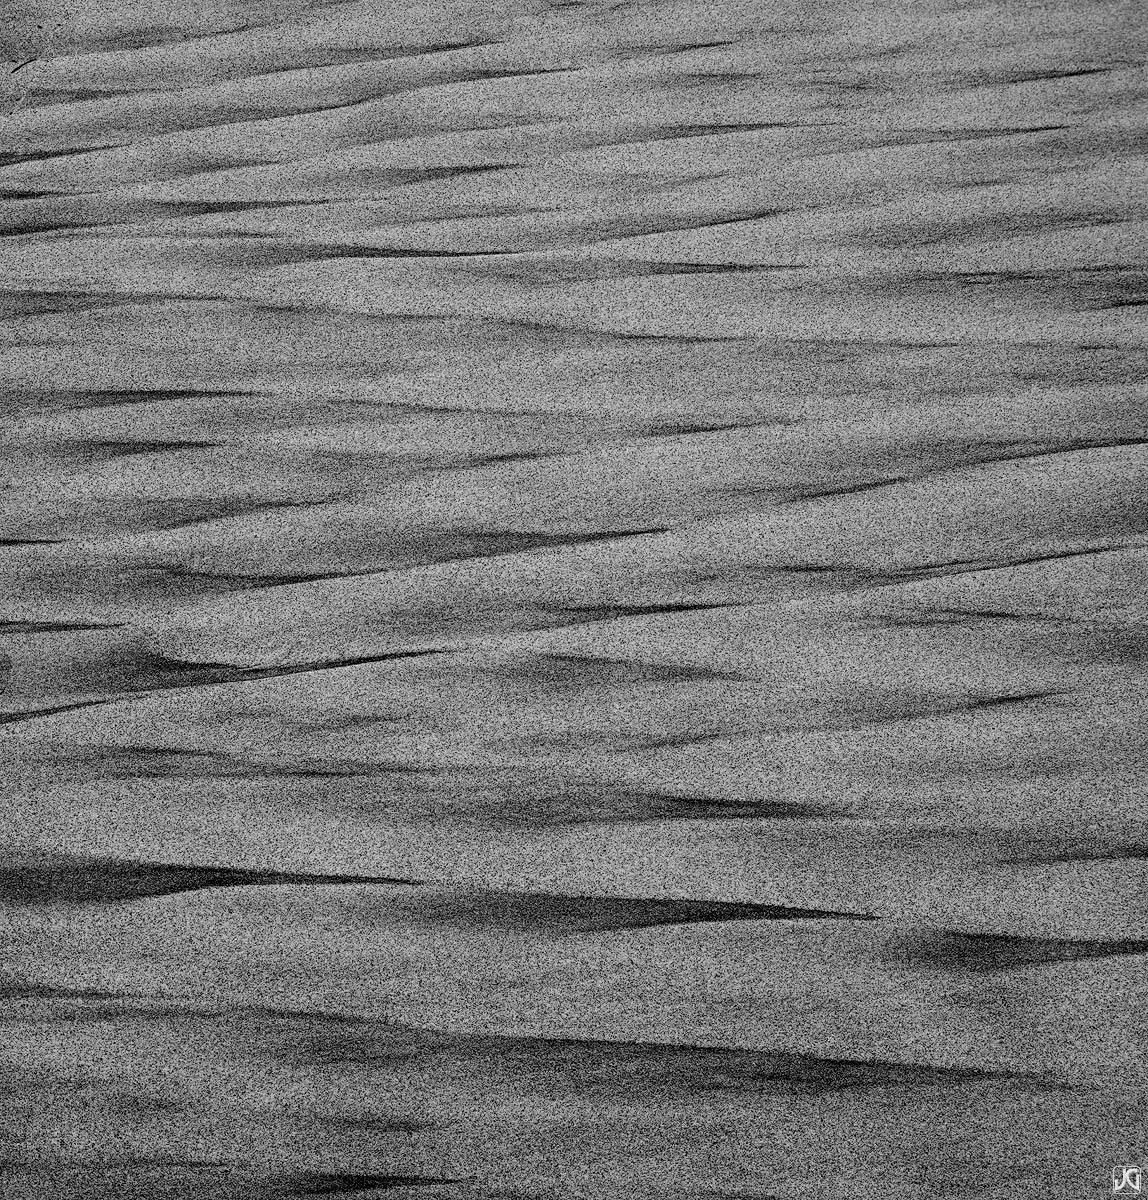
(573, 599)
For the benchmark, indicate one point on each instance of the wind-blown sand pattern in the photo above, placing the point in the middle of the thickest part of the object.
(573, 606)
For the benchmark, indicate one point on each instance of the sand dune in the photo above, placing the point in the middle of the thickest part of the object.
(572, 607)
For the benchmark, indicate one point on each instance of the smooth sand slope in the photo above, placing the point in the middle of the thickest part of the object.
(572, 600)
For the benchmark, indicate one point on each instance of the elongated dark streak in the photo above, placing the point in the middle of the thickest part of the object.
(797, 496)
(546, 543)
(674, 741)
(11, 718)
(15, 989)
(1074, 447)
(652, 670)
(695, 1066)
(801, 497)
(1004, 701)
(123, 449)
(337, 1185)
(10, 160)
(229, 673)
(203, 208)
(993, 952)
(686, 47)
(720, 268)
(666, 806)
(267, 506)
(975, 134)
(52, 626)
(955, 616)
(114, 399)
(679, 132)
(1131, 853)
(64, 880)
(609, 612)
(368, 55)
(497, 460)
(322, 252)
(1048, 76)
(156, 757)
(256, 582)
(671, 226)
(893, 577)
(967, 566)
(593, 915)
(681, 339)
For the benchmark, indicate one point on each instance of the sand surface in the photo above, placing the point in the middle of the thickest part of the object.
(573, 614)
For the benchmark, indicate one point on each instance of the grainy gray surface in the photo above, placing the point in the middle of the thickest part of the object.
(572, 600)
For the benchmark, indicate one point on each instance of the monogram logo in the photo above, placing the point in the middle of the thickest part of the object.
(1126, 1181)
